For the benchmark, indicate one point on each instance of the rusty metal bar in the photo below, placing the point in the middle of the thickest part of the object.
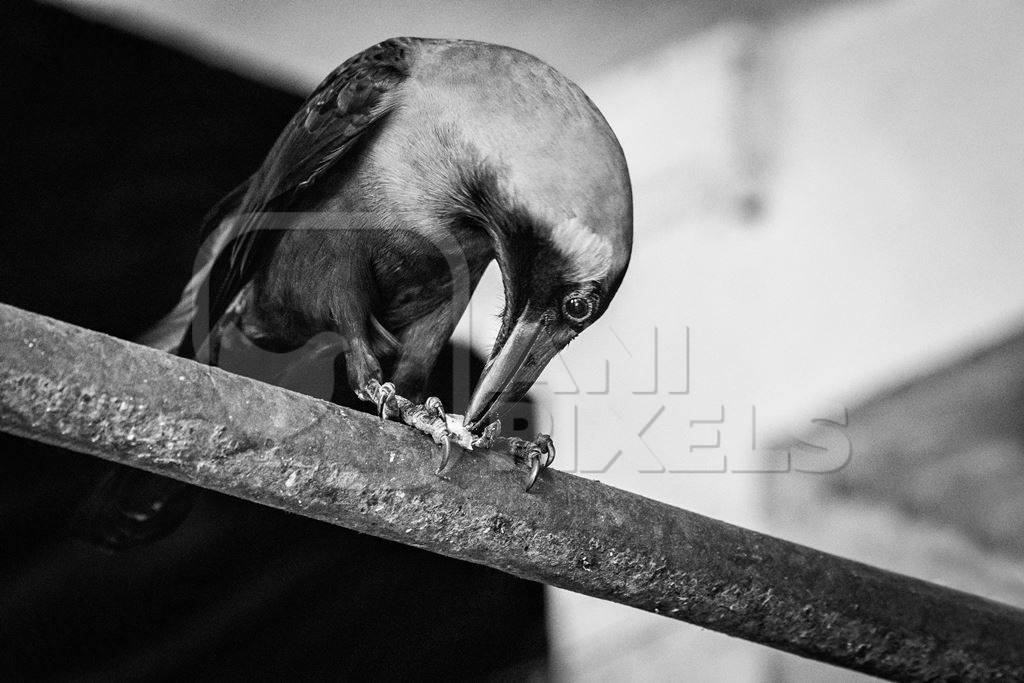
(95, 394)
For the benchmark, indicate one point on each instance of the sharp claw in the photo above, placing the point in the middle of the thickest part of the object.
(385, 394)
(446, 452)
(434, 403)
(534, 471)
(545, 443)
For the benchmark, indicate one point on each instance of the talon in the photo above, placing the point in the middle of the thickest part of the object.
(434, 403)
(384, 395)
(446, 452)
(546, 444)
(534, 470)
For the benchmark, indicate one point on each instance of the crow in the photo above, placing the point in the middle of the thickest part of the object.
(410, 168)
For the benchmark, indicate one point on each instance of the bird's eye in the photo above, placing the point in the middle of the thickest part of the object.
(577, 308)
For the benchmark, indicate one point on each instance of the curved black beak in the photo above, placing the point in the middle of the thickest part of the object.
(510, 372)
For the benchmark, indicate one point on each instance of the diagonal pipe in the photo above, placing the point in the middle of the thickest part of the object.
(95, 394)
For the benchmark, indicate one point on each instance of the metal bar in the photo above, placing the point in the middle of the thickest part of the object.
(95, 394)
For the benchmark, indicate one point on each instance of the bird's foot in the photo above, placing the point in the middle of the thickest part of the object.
(539, 454)
(428, 417)
(446, 428)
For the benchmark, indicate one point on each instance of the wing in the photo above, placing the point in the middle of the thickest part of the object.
(350, 101)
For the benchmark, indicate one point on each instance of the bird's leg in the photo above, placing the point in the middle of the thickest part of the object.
(364, 376)
(421, 343)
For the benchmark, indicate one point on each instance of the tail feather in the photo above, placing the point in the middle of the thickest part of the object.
(218, 232)
(131, 508)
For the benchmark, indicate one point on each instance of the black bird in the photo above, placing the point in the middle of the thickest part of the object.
(373, 217)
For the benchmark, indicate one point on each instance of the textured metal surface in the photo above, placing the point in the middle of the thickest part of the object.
(95, 394)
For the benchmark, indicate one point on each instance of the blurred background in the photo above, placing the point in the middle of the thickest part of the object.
(821, 334)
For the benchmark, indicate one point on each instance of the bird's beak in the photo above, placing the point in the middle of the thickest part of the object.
(511, 371)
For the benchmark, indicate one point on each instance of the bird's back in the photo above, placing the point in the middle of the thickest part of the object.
(512, 112)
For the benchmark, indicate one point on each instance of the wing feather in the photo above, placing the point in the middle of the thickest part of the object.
(349, 102)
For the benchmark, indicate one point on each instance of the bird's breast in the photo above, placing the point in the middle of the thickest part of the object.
(419, 270)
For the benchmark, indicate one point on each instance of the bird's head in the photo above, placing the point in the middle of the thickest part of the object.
(562, 255)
